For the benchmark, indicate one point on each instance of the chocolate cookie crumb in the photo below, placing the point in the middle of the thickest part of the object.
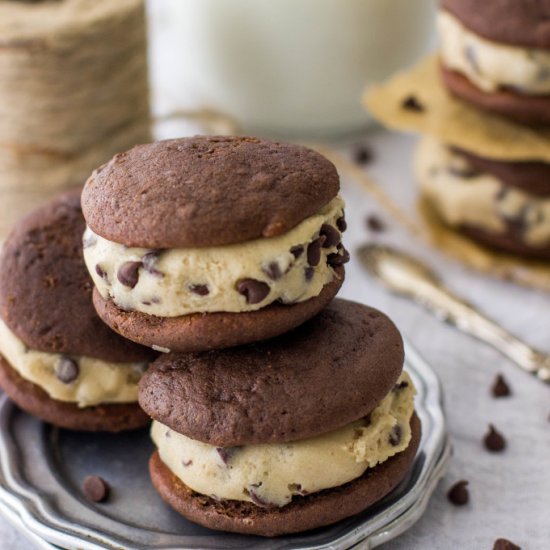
(362, 154)
(494, 441)
(411, 103)
(95, 488)
(500, 387)
(374, 223)
(458, 494)
(505, 544)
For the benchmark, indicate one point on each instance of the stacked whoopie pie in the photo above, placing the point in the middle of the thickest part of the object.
(275, 409)
(58, 361)
(495, 56)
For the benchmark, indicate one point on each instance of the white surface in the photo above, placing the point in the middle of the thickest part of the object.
(509, 491)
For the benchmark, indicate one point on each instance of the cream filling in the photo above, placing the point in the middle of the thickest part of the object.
(477, 199)
(271, 474)
(490, 65)
(201, 280)
(96, 382)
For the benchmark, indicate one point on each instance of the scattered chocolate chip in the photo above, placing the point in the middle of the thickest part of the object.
(67, 370)
(128, 273)
(411, 103)
(95, 488)
(341, 224)
(100, 271)
(331, 234)
(494, 441)
(335, 260)
(149, 260)
(396, 435)
(296, 489)
(201, 290)
(167, 433)
(402, 385)
(500, 387)
(255, 497)
(254, 291)
(505, 544)
(458, 494)
(464, 172)
(366, 421)
(226, 453)
(187, 463)
(374, 223)
(308, 273)
(297, 251)
(362, 154)
(314, 251)
(273, 271)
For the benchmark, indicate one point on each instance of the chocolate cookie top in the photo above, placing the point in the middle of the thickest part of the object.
(329, 372)
(520, 23)
(45, 289)
(206, 191)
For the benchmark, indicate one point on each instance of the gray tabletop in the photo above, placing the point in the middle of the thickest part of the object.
(509, 491)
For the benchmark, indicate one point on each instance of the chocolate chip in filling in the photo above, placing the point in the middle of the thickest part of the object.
(273, 271)
(200, 290)
(314, 251)
(396, 435)
(149, 260)
(331, 234)
(67, 370)
(254, 291)
(128, 273)
(297, 251)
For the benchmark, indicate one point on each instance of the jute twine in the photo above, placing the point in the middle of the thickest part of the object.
(73, 92)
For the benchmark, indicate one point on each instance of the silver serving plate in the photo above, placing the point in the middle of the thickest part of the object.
(41, 469)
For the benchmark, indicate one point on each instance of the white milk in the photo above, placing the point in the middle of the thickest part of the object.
(287, 67)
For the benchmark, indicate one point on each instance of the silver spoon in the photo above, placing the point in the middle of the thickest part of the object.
(409, 277)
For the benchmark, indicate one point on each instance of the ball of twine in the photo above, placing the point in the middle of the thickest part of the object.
(73, 92)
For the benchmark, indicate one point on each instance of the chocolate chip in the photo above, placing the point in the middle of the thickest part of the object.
(374, 223)
(500, 387)
(128, 273)
(505, 544)
(411, 103)
(67, 370)
(100, 271)
(255, 497)
(494, 441)
(149, 260)
(226, 453)
(402, 385)
(458, 494)
(201, 290)
(335, 260)
(362, 154)
(95, 488)
(331, 234)
(314, 251)
(296, 489)
(341, 224)
(396, 435)
(254, 291)
(308, 273)
(297, 251)
(187, 463)
(464, 172)
(273, 271)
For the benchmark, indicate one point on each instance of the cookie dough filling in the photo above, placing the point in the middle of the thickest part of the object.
(290, 268)
(463, 196)
(271, 474)
(82, 380)
(490, 65)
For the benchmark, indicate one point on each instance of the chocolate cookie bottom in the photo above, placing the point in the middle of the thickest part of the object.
(531, 110)
(115, 417)
(205, 331)
(302, 514)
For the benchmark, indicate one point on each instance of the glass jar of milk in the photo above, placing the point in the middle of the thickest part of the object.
(292, 68)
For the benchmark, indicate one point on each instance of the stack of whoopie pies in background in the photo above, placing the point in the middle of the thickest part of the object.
(58, 361)
(495, 56)
(275, 408)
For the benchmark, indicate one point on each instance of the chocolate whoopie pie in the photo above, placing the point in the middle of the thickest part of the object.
(504, 205)
(496, 56)
(210, 242)
(285, 435)
(58, 361)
